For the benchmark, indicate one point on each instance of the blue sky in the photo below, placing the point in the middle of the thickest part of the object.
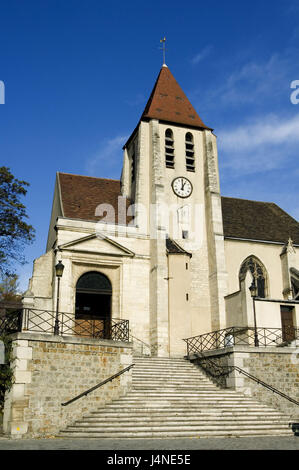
(78, 74)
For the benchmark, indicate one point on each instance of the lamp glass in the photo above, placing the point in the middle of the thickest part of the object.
(59, 269)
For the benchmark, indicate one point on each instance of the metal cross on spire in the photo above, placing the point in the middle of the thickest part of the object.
(163, 48)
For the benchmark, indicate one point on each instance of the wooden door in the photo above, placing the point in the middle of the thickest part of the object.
(287, 324)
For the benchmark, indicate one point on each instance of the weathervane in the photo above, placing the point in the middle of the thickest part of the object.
(163, 48)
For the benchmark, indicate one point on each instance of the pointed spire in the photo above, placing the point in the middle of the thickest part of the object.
(169, 103)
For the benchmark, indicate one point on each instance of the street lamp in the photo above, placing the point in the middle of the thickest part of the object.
(58, 271)
(254, 292)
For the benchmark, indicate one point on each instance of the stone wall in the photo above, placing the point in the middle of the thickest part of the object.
(278, 367)
(50, 370)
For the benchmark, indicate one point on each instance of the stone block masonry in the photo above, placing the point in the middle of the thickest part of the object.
(50, 370)
(276, 366)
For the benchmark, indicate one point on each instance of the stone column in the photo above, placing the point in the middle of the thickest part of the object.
(159, 332)
(288, 260)
(215, 237)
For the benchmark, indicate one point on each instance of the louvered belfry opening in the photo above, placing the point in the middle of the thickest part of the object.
(169, 149)
(189, 146)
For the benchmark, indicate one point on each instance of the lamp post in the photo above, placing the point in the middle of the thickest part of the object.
(253, 292)
(58, 271)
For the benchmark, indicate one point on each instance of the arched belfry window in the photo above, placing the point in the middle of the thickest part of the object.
(258, 272)
(169, 149)
(93, 296)
(189, 147)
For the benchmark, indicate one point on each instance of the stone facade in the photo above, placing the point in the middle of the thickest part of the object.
(134, 257)
(50, 370)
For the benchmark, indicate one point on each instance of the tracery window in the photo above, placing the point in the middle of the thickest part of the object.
(258, 272)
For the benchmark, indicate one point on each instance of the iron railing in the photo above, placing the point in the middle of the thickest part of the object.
(43, 321)
(245, 336)
(219, 370)
(83, 394)
(11, 322)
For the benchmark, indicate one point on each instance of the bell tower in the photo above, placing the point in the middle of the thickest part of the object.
(170, 173)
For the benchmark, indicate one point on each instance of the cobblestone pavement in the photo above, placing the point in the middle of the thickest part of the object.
(250, 443)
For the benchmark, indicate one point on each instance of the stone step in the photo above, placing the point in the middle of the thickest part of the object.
(190, 400)
(187, 390)
(174, 398)
(172, 367)
(183, 393)
(165, 385)
(169, 407)
(173, 427)
(166, 373)
(179, 420)
(164, 382)
(182, 414)
(88, 434)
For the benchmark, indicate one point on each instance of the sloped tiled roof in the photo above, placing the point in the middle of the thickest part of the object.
(253, 220)
(174, 248)
(169, 103)
(257, 220)
(81, 195)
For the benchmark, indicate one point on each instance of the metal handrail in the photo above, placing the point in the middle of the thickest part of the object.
(98, 385)
(226, 370)
(143, 343)
(241, 335)
(43, 321)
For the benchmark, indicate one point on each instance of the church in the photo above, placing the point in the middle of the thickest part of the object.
(161, 248)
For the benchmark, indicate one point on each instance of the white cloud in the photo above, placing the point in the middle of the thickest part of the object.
(268, 143)
(202, 55)
(108, 156)
(252, 83)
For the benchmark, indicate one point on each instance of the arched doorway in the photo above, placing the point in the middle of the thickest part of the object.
(93, 305)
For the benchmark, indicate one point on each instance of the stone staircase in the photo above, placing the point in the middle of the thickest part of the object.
(172, 398)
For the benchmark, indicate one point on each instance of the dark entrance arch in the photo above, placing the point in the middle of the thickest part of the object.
(93, 305)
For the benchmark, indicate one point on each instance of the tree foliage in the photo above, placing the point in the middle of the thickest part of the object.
(6, 372)
(9, 289)
(15, 233)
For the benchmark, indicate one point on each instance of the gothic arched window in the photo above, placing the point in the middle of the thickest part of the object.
(258, 272)
(189, 146)
(169, 149)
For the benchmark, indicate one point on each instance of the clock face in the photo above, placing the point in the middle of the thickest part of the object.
(182, 187)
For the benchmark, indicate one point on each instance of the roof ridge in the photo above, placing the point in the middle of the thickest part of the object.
(86, 176)
(249, 200)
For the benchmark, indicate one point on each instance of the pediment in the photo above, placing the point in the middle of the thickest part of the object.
(97, 245)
